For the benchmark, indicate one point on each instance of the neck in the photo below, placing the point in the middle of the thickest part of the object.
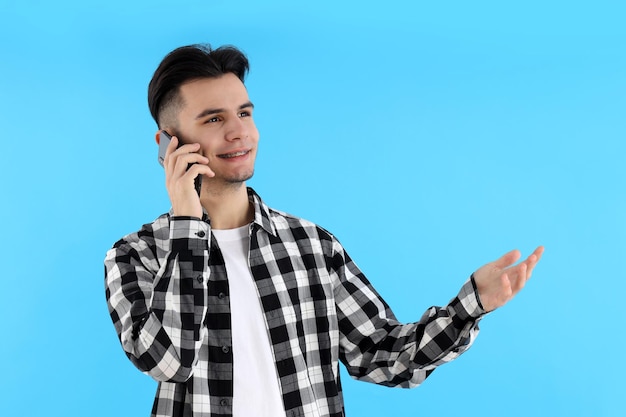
(228, 208)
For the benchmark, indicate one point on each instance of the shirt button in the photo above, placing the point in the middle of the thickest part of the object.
(201, 233)
(223, 402)
(200, 279)
(221, 296)
(225, 349)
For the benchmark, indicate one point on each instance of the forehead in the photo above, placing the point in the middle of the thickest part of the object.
(226, 91)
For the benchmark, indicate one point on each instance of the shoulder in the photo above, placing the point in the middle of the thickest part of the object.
(145, 241)
(288, 227)
(306, 235)
(287, 221)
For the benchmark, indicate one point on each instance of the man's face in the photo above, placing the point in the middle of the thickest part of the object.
(217, 113)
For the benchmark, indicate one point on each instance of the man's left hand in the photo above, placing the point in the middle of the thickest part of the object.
(499, 281)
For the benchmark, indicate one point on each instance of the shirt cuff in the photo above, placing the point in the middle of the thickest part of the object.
(468, 306)
(188, 233)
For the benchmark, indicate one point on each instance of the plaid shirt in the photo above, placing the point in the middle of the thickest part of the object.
(167, 293)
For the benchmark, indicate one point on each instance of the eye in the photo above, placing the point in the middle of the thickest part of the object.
(245, 113)
(212, 120)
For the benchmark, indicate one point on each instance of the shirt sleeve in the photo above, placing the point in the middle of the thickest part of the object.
(375, 347)
(158, 301)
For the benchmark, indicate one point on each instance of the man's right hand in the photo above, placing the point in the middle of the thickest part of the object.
(179, 180)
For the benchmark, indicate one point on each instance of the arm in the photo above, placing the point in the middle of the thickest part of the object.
(375, 347)
(158, 303)
(157, 293)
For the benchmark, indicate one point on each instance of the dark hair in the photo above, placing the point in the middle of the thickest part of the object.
(189, 63)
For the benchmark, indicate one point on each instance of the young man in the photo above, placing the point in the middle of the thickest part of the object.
(239, 309)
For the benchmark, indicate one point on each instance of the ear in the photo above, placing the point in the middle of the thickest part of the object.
(157, 137)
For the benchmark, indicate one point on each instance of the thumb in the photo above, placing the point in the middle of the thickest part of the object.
(507, 259)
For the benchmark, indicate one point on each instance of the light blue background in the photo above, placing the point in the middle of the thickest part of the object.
(430, 137)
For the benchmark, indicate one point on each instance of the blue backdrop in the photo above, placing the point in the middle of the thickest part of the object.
(429, 137)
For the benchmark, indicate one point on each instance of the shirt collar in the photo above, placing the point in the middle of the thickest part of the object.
(262, 215)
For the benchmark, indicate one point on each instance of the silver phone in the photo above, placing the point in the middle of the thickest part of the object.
(164, 142)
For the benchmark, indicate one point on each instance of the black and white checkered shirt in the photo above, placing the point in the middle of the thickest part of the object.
(168, 295)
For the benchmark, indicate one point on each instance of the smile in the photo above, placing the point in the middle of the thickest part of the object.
(233, 154)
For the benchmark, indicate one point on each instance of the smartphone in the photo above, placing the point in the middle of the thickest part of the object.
(164, 142)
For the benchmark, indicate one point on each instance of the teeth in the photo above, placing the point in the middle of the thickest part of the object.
(233, 155)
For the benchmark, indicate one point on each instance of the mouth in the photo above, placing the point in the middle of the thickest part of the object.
(234, 154)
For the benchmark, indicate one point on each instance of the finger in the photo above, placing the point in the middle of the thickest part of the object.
(506, 290)
(174, 149)
(184, 160)
(507, 286)
(170, 154)
(507, 259)
(188, 180)
(191, 158)
(539, 252)
(532, 260)
(200, 169)
(170, 149)
(534, 257)
(519, 277)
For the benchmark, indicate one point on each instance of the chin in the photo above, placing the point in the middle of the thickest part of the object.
(238, 179)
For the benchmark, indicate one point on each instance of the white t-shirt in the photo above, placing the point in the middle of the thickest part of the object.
(256, 386)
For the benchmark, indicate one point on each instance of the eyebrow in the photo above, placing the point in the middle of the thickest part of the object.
(208, 112)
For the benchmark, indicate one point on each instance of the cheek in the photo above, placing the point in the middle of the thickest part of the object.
(254, 133)
(207, 148)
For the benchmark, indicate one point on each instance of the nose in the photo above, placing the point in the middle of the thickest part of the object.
(236, 129)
